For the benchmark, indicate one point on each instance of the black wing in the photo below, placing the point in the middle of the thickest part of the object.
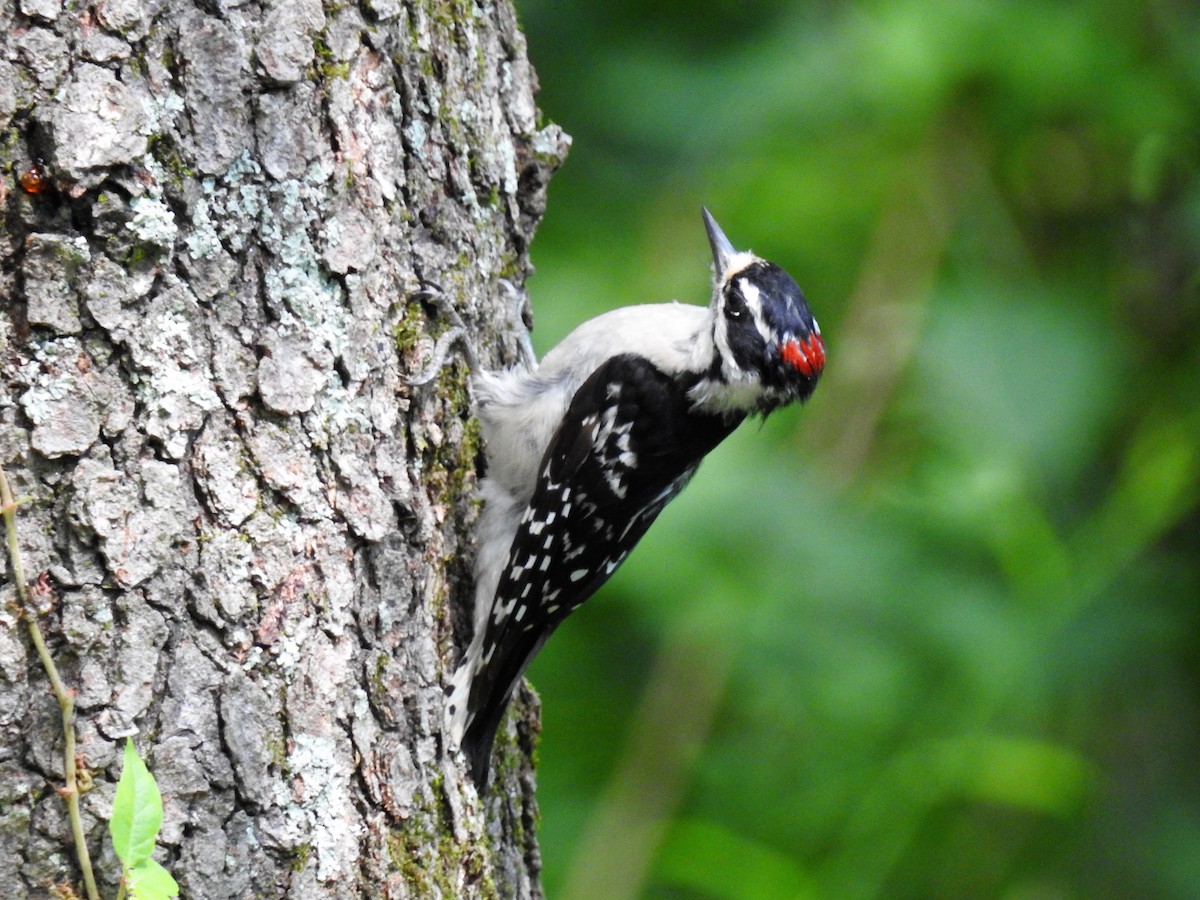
(627, 445)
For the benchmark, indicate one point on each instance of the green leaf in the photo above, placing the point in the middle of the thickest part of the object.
(137, 812)
(150, 881)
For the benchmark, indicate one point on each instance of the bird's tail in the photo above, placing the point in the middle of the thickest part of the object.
(480, 691)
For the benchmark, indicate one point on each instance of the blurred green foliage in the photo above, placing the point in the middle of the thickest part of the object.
(936, 634)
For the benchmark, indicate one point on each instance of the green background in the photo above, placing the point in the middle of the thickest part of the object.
(935, 634)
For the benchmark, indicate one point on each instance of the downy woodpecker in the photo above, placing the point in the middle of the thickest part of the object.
(584, 451)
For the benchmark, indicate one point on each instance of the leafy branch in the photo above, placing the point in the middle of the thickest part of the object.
(137, 808)
(65, 697)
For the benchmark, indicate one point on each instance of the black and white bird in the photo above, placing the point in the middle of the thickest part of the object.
(584, 451)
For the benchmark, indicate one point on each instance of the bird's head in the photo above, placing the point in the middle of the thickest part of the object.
(769, 350)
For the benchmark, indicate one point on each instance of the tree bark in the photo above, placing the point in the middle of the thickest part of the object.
(256, 534)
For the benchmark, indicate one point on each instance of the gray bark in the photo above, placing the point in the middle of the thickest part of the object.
(257, 534)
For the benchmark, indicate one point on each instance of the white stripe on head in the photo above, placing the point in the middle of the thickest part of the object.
(738, 263)
(730, 369)
(753, 298)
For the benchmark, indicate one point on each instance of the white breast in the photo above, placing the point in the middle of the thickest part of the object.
(520, 410)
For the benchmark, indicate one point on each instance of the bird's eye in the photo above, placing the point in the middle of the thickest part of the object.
(735, 306)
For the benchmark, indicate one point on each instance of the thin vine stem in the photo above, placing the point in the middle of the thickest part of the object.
(65, 697)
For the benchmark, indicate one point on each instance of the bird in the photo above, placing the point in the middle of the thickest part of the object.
(584, 449)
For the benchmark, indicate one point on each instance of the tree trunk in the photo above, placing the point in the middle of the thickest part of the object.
(256, 534)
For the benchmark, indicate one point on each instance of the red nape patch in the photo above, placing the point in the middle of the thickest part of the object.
(816, 352)
(806, 357)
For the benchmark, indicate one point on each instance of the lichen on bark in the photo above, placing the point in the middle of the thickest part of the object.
(256, 532)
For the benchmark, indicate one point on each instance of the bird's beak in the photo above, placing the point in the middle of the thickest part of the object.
(722, 250)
